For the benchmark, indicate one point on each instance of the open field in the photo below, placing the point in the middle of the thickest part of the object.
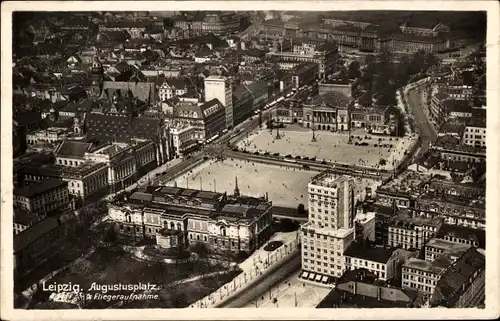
(333, 147)
(285, 186)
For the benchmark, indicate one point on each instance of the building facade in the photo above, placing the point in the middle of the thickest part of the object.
(412, 232)
(45, 198)
(329, 230)
(227, 224)
(221, 88)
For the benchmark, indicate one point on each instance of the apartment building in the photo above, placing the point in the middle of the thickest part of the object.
(412, 232)
(422, 275)
(329, 230)
(475, 132)
(45, 198)
(435, 248)
(183, 139)
(382, 261)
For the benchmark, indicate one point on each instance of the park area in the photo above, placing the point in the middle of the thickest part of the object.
(178, 284)
(365, 150)
(285, 186)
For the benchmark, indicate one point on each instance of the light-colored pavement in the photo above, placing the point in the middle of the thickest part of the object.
(332, 147)
(254, 267)
(285, 186)
(289, 293)
(416, 104)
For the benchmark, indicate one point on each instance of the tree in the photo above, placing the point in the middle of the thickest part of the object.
(200, 249)
(353, 71)
(301, 208)
(110, 236)
(382, 162)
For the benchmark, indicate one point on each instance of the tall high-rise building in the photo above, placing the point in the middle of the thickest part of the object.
(330, 229)
(220, 87)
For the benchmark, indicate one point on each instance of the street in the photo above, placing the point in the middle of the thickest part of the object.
(426, 130)
(260, 285)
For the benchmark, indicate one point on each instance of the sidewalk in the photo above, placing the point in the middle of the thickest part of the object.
(254, 266)
(292, 293)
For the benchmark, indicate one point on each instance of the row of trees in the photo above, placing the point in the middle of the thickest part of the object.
(384, 75)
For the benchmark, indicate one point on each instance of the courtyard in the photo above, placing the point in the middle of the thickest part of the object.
(285, 186)
(332, 147)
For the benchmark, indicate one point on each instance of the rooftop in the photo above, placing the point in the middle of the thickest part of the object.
(462, 232)
(40, 188)
(25, 218)
(402, 219)
(364, 250)
(330, 99)
(451, 284)
(448, 247)
(36, 231)
(61, 171)
(73, 149)
(330, 179)
(453, 144)
(422, 265)
(406, 182)
(120, 128)
(476, 122)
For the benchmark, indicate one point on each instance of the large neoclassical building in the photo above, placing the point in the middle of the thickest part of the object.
(329, 111)
(179, 217)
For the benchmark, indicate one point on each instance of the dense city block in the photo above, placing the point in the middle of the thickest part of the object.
(201, 159)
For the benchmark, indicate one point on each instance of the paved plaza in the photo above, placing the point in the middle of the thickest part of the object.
(285, 186)
(290, 293)
(332, 147)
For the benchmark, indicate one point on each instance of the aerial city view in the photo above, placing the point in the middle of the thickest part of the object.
(249, 159)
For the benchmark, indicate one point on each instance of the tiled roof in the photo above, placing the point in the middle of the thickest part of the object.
(144, 91)
(450, 287)
(120, 128)
(36, 231)
(463, 232)
(331, 99)
(73, 148)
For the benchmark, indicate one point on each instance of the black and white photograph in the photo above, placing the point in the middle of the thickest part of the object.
(180, 158)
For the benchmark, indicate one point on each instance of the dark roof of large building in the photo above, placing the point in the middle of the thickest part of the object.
(144, 91)
(73, 148)
(36, 231)
(120, 128)
(365, 251)
(24, 217)
(477, 122)
(463, 232)
(331, 99)
(40, 188)
(450, 286)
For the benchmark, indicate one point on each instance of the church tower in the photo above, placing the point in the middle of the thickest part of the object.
(236, 189)
(97, 77)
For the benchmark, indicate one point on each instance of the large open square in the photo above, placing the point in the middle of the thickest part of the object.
(332, 147)
(285, 186)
